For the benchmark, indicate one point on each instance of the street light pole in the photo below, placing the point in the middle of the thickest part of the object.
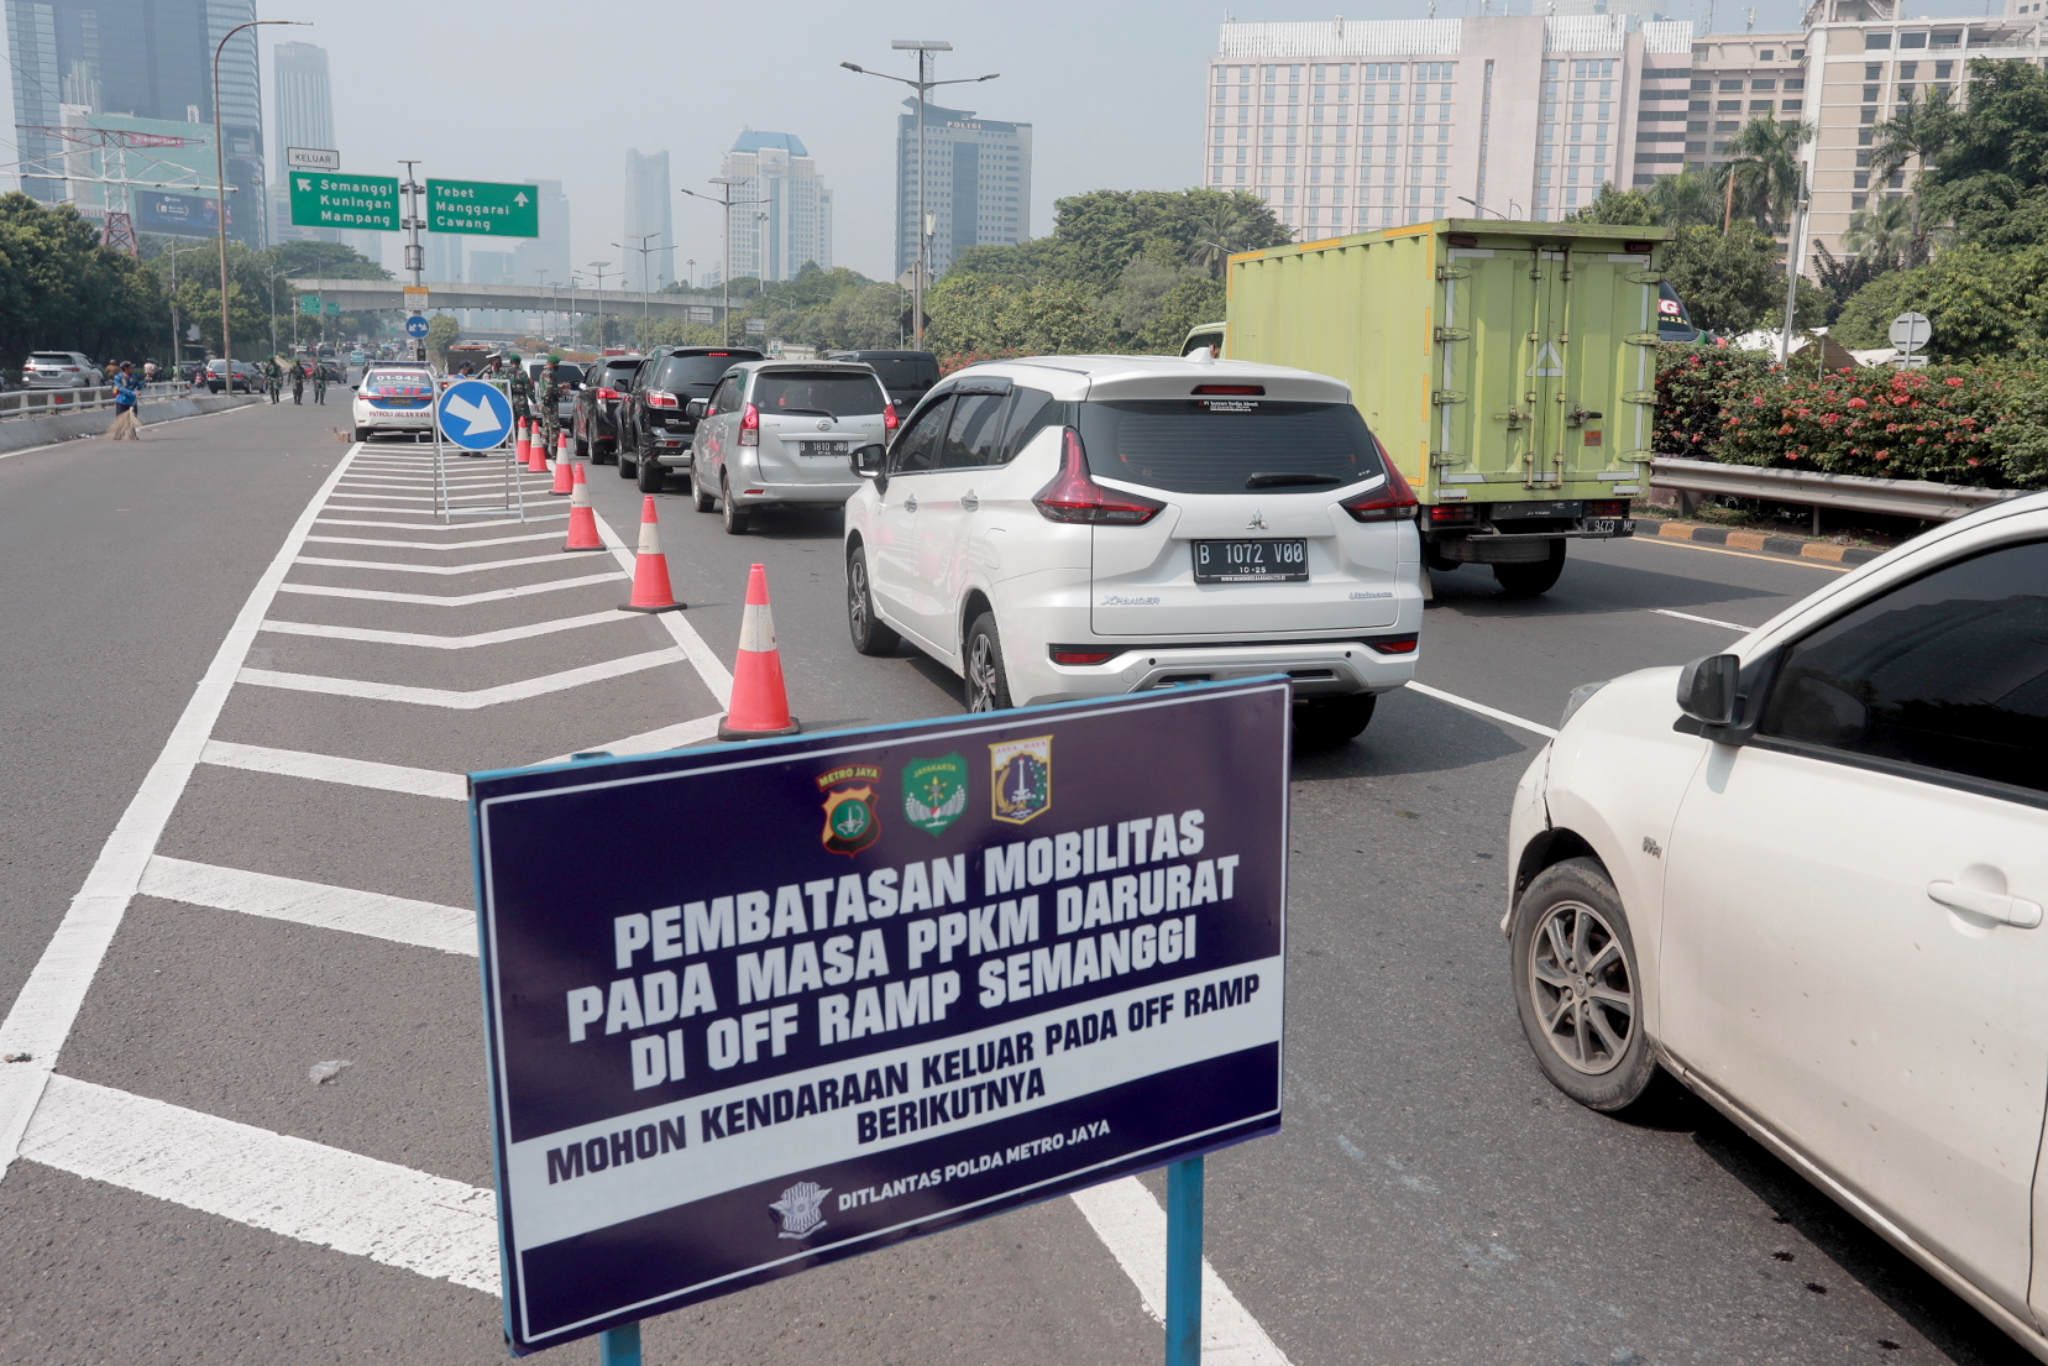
(177, 350)
(645, 251)
(600, 267)
(725, 281)
(220, 186)
(923, 85)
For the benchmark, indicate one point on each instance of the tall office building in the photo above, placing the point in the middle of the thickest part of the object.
(302, 103)
(544, 260)
(977, 183)
(149, 59)
(443, 256)
(647, 211)
(782, 212)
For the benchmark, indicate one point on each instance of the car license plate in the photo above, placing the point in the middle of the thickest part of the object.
(1263, 561)
(837, 448)
(1609, 526)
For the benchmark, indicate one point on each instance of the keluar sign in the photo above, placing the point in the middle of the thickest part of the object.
(826, 993)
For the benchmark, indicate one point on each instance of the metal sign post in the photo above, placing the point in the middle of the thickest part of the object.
(476, 415)
(1909, 333)
(937, 972)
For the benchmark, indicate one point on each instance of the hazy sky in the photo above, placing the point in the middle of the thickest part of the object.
(508, 90)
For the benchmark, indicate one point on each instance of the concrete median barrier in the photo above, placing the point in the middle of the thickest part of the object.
(20, 434)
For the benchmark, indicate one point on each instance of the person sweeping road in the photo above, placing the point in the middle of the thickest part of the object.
(127, 405)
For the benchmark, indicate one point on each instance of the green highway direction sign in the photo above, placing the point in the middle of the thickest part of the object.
(309, 304)
(335, 199)
(483, 206)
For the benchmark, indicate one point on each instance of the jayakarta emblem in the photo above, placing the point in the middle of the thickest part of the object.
(935, 792)
(852, 822)
(799, 1208)
(1020, 778)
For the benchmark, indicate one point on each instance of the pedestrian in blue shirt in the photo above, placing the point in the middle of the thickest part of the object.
(127, 405)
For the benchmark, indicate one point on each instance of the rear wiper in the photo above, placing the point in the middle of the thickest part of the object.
(818, 412)
(1287, 479)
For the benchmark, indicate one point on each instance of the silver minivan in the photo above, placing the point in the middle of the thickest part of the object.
(780, 432)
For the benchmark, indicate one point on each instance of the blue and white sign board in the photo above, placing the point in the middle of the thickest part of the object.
(415, 326)
(474, 415)
(922, 975)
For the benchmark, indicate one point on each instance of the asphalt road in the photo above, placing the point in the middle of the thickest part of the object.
(185, 1192)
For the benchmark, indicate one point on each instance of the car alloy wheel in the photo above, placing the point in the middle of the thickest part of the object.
(1579, 981)
(988, 687)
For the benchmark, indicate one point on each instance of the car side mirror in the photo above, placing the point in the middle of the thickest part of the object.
(871, 462)
(1706, 690)
(695, 408)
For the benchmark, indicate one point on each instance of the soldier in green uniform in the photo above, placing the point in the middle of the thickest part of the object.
(518, 387)
(550, 401)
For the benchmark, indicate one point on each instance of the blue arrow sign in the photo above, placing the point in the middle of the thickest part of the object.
(474, 415)
(415, 326)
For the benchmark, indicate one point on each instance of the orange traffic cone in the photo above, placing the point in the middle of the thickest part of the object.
(564, 481)
(582, 521)
(536, 455)
(760, 704)
(651, 591)
(522, 449)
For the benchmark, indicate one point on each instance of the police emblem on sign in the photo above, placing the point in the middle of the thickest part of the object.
(1020, 777)
(935, 792)
(799, 1208)
(851, 821)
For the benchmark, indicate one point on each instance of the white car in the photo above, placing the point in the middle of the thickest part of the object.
(394, 397)
(59, 370)
(778, 432)
(1081, 526)
(1806, 878)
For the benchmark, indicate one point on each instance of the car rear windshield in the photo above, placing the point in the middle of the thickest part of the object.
(1218, 445)
(618, 376)
(904, 372)
(570, 372)
(823, 393)
(697, 373)
(51, 358)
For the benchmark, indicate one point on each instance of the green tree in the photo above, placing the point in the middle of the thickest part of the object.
(1989, 170)
(1913, 136)
(1624, 208)
(1764, 172)
(1729, 280)
(1895, 228)
(1194, 301)
(1841, 277)
(1142, 287)
(442, 330)
(59, 288)
(869, 317)
(325, 261)
(1983, 303)
(1691, 199)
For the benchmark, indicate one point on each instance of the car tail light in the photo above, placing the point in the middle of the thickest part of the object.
(1074, 497)
(889, 422)
(661, 398)
(1607, 507)
(1393, 502)
(1077, 654)
(609, 394)
(1447, 514)
(750, 426)
(1394, 645)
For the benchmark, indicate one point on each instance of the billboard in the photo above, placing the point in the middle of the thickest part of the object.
(869, 985)
(181, 215)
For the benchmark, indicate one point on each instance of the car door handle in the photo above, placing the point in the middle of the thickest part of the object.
(910, 503)
(968, 502)
(2010, 910)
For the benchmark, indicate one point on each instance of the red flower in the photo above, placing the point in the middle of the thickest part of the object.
(1884, 455)
(1955, 381)
(1792, 455)
(1970, 460)
(1853, 403)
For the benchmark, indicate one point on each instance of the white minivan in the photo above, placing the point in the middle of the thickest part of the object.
(1079, 526)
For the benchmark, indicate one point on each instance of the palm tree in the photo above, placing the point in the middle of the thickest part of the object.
(1913, 136)
(1213, 244)
(1895, 227)
(1692, 198)
(1764, 171)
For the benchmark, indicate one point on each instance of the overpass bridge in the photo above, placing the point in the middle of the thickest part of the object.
(370, 296)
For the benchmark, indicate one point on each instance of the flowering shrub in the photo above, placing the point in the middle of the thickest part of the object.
(1979, 424)
(960, 360)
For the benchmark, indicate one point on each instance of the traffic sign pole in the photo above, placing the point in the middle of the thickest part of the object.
(1184, 1182)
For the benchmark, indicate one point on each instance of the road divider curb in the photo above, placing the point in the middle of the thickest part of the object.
(1790, 547)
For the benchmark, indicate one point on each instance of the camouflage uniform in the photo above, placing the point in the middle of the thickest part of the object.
(518, 388)
(550, 401)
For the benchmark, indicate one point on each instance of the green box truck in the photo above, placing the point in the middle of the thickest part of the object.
(1510, 370)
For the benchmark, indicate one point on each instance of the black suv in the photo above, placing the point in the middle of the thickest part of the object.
(907, 375)
(654, 425)
(598, 399)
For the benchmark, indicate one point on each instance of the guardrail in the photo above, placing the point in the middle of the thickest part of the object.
(1811, 488)
(44, 402)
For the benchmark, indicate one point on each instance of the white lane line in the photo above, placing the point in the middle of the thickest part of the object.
(402, 920)
(479, 567)
(329, 768)
(703, 659)
(41, 1017)
(1478, 708)
(1704, 621)
(357, 1205)
(651, 741)
(454, 699)
(396, 544)
(460, 600)
(369, 497)
(434, 642)
(1132, 1226)
(436, 526)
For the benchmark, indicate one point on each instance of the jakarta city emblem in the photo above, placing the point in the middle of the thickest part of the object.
(1020, 778)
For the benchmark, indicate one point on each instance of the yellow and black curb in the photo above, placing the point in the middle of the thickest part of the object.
(1791, 547)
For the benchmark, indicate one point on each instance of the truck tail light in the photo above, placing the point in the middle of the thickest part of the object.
(750, 426)
(1607, 507)
(1392, 502)
(889, 421)
(1451, 514)
(1077, 654)
(1074, 497)
(662, 398)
